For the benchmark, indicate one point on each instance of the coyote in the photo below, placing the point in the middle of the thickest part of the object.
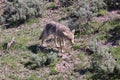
(59, 32)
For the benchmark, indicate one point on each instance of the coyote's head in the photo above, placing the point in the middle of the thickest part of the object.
(70, 36)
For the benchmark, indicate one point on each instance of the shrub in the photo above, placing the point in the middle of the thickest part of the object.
(102, 61)
(41, 59)
(82, 12)
(101, 57)
(18, 11)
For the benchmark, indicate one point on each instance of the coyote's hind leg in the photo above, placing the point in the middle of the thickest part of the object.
(61, 45)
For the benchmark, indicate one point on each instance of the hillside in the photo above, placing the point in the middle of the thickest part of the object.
(95, 54)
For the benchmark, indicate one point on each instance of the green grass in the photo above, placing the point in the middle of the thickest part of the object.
(114, 23)
(102, 12)
(116, 53)
(10, 61)
(89, 76)
(51, 5)
(53, 71)
(76, 46)
(81, 55)
(18, 54)
(14, 77)
(94, 26)
(100, 36)
(34, 64)
(58, 78)
(34, 77)
(25, 55)
(80, 64)
(31, 21)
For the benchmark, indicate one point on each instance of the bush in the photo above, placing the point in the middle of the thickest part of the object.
(82, 12)
(103, 65)
(41, 59)
(101, 57)
(18, 11)
(102, 61)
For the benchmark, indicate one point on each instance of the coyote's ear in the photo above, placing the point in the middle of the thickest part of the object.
(73, 31)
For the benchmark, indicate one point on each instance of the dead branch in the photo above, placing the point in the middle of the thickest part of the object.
(10, 43)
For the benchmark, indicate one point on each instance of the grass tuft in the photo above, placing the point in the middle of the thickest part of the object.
(76, 46)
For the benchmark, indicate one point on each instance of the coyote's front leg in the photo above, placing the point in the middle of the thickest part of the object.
(42, 42)
(62, 45)
(55, 41)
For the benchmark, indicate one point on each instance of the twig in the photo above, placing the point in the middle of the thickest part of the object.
(10, 43)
